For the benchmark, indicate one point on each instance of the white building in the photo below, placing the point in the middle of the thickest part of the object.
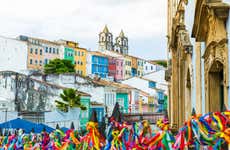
(13, 54)
(150, 67)
(159, 78)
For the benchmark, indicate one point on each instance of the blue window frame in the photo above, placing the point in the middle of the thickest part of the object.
(160, 96)
(46, 61)
(46, 50)
(152, 84)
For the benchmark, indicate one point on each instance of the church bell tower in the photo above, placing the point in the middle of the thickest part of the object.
(105, 40)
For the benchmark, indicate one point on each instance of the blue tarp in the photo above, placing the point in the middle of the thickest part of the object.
(27, 126)
(64, 129)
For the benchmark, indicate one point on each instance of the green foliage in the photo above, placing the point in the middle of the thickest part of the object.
(69, 100)
(59, 66)
(162, 63)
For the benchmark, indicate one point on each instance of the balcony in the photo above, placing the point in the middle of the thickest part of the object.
(137, 117)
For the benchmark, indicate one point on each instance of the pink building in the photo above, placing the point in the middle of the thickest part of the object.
(116, 68)
(119, 69)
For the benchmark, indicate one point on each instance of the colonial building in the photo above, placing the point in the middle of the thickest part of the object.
(121, 45)
(198, 63)
(97, 64)
(212, 32)
(155, 86)
(75, 54)
(106, 42)
(116, 68)
(31, 97)
(12, 53)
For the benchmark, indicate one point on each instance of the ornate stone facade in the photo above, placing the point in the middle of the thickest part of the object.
(185, 64)
(181, 77)
(211, 30)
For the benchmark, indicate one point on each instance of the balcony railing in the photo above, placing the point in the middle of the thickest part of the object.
(137, 117)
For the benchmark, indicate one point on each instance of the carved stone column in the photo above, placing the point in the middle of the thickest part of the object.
(198, 78)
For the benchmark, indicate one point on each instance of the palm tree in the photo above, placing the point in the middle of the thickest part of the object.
(69, 99)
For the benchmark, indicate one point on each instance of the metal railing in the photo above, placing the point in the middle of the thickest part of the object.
(137, 117)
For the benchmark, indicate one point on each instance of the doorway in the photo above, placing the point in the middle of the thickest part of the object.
(216, 87)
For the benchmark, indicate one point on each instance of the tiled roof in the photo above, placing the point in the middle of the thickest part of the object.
(119, 86)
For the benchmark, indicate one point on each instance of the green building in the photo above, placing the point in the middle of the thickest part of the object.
(69, 54)
(84, 115)
(122, 99)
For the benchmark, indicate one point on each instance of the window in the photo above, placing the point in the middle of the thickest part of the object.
(151, 67)
(146, 67)
(152, 84)
(46, 61)
(78, 53)
(40, 51)
(36, 51)
(75, 53)
(138, 73)
(40, 63)
(50, 50)
(36, 62)
(121, 72)
(81, 63)
(46, 50)
(82, 53)
(121, 102)
(117, 72)
(160, 96)
(31, 50)
(31, 61)
(54, 50)
(57, 51)
(121, 63)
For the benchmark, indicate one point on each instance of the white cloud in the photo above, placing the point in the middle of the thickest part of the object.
(83, 19)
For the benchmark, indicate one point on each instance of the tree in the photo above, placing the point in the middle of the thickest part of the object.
(59, 66)
(162, 63)
(69, 99)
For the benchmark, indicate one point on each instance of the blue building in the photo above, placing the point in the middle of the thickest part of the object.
(161, 101)
(100, 66)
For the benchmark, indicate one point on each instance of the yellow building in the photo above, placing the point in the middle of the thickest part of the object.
(127, 67)
(80, 60)
(79, 57)
(140, 67)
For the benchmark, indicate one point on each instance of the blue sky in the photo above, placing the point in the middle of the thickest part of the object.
(143, 21)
